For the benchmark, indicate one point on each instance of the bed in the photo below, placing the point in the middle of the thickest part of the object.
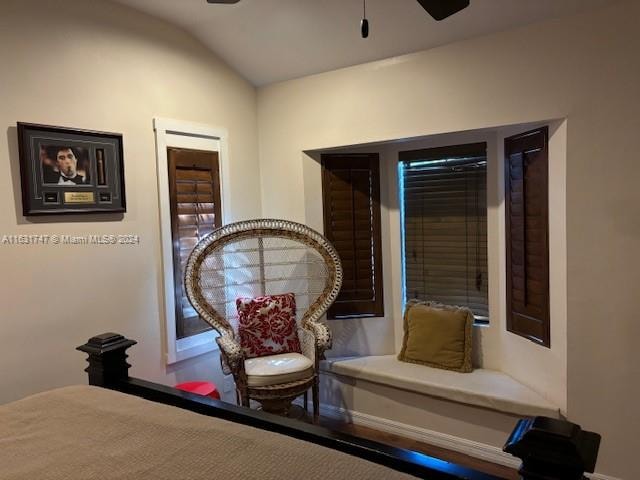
(90, 432)
(119, 427)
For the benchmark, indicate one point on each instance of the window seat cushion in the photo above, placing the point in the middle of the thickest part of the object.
(482, 388)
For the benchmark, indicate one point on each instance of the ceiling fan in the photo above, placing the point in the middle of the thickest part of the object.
(438, 9)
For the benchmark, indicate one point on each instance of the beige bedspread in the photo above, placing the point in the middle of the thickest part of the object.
(90, 433)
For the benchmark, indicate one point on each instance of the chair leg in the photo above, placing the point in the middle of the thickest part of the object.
(306, 401)
(316, 400)
(244, 397)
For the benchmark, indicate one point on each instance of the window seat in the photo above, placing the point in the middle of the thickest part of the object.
(483, 388)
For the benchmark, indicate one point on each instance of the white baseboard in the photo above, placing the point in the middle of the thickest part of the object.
(478, 450)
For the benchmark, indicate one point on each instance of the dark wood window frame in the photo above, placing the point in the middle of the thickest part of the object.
(365, 264)
(204, 166)
(527, 235)
(446, 189)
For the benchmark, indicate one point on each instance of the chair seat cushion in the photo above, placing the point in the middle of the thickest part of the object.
(267, 325)
(276, 369)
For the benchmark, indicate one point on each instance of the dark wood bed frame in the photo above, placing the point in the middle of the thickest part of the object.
(551, 449)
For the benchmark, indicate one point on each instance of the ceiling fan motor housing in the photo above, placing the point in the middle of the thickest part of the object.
(441, 9)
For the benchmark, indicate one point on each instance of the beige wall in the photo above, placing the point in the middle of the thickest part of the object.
(586, 69)
(98, 65)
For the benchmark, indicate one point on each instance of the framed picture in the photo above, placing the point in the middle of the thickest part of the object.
(66, 170)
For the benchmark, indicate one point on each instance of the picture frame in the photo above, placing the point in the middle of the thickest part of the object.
(70, 171)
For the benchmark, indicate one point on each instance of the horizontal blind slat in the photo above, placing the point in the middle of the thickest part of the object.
(445, 234)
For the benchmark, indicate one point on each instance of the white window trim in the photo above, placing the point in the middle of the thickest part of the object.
(167, 134)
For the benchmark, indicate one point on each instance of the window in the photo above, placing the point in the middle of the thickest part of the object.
(351, 200)
(186, 136)
(527, 229)
(194, 194)
(443, 193)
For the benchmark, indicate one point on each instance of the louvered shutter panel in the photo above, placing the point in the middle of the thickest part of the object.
(527, 227)
(194, 192)
(351, 199)
(444, 213)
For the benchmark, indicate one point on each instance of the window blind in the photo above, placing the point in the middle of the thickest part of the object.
(351, 204)
(444, 216)
(194, 193)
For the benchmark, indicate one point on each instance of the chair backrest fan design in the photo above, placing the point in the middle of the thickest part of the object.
(261, 257)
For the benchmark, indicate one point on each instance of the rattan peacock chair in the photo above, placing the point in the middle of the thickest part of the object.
(266, 257)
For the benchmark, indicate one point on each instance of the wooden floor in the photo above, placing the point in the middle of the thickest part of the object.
(403, 442)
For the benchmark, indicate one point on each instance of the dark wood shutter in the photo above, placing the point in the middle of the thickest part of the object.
(351, 198)
(527, 230)
(194, 192)
(444, 219)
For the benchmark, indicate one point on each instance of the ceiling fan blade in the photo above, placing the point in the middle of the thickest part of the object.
(441, 9)
(223, 1)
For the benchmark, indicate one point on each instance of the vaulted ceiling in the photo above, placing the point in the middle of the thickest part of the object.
(272, 40)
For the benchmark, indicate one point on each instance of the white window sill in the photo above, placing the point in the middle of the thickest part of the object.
(193, 346)
(482, 388)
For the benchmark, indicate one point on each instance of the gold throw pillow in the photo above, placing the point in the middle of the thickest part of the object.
(438, 336)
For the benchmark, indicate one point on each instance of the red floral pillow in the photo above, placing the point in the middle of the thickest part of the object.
(267, 325)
